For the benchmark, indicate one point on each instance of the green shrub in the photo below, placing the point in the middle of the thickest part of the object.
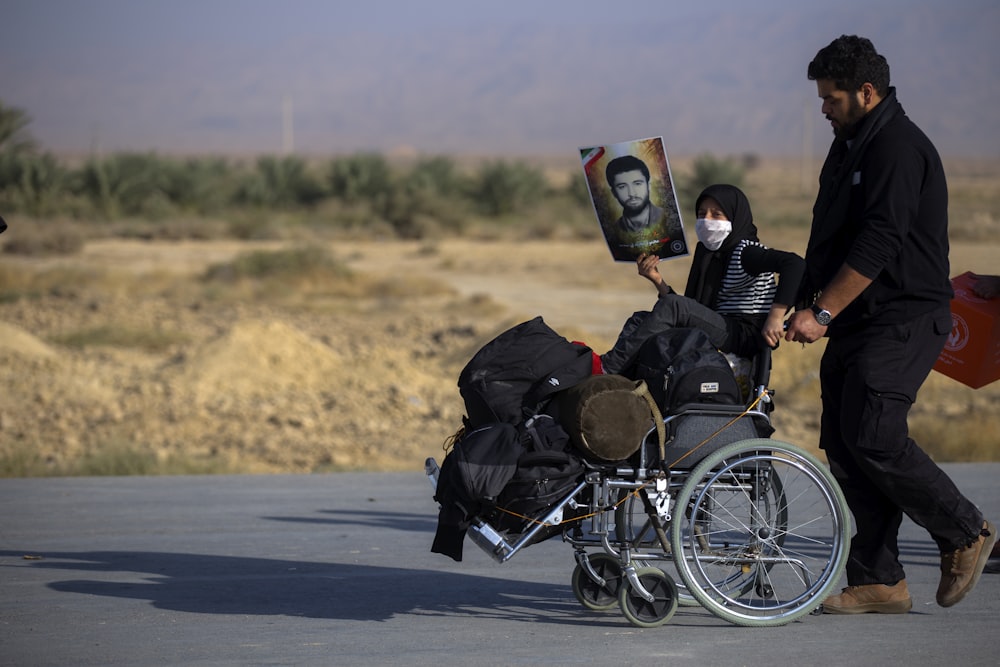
(426, 201)
(23, 462)
(253, 225)
(201, 185)
(43, 239)
(364, 176)
(708, 170)
(280, 183)
(150, 340)
(14, 135)
(117, 185)
(578, 192)
(435, 175)
(33, 184)
(21, 282)
(114, 457)
(503, 188)
(415, 213)
(304, 261)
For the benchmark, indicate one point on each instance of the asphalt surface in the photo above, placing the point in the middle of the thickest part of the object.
(337, 570)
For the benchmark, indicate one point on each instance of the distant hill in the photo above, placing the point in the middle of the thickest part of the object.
(730, 83)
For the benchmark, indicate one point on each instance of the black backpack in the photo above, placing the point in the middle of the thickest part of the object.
(681, 366)
(510, 378)
(479, 466)
(547, 470)
(472, 475)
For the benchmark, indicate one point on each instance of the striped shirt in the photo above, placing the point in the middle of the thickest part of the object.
(743, 293)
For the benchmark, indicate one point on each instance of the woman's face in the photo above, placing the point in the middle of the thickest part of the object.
(709, 209)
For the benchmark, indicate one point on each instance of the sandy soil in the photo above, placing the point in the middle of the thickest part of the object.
(366, 383)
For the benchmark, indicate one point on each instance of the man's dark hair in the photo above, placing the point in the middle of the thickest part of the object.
(622, 164)
(850, 62)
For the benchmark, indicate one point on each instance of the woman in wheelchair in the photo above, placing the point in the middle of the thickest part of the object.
(731, 291)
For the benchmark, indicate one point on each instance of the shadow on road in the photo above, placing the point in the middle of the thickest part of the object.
(414, 522)
(206, 584)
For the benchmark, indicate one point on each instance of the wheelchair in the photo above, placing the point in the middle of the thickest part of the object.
(709, 511)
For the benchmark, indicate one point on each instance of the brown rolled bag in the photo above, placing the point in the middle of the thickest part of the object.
(607, 417)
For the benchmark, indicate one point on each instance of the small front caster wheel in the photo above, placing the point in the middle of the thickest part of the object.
(640, 611)
(591, 594)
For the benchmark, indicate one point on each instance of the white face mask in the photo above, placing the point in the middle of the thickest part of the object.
(711, 232)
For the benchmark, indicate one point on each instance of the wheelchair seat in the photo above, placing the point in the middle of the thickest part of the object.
(695, 430)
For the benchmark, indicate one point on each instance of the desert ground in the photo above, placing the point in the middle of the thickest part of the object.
(339, 381)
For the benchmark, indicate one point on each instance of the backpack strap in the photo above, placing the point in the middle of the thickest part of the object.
(642, 390)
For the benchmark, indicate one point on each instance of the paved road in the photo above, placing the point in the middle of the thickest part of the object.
(336, 570)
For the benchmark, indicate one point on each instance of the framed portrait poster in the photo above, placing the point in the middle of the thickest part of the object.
(633, 195)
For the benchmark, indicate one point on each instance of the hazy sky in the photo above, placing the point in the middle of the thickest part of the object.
(542, 76)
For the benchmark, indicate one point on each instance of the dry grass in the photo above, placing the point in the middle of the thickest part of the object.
(117, 300)
(40, 240)
(149, 340)
(116, 457)
(303, 274)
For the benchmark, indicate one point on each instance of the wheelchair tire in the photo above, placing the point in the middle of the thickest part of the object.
(760, 533)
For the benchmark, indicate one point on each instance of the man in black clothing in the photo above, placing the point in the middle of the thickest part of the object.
(877, 285)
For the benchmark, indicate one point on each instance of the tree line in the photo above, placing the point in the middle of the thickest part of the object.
(149, 186)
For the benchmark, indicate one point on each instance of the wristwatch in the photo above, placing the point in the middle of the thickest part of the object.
(823, 317)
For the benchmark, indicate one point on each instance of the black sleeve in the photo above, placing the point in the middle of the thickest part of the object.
(789, 266)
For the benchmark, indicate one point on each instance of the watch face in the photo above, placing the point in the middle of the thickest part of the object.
(822, 316)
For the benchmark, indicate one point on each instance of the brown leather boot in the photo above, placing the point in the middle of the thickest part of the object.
(960, 569)
(870, 598)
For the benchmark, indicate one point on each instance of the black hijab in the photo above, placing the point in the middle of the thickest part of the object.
(708, 267)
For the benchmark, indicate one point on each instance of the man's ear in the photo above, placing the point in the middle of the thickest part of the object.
(869, 96)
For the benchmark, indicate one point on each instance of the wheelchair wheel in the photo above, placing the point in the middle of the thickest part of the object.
(760, 533)
(634, 526)
(640, 611)
(591, 594)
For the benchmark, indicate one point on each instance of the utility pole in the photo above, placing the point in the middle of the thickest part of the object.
(287, 126)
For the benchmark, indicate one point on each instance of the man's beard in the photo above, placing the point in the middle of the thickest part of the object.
(632, 209)
(849, 128)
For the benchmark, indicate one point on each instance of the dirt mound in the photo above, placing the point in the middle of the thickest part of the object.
(51, 398)
(263, 395)
(17, 341)
(292, 402)
(258, 359)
